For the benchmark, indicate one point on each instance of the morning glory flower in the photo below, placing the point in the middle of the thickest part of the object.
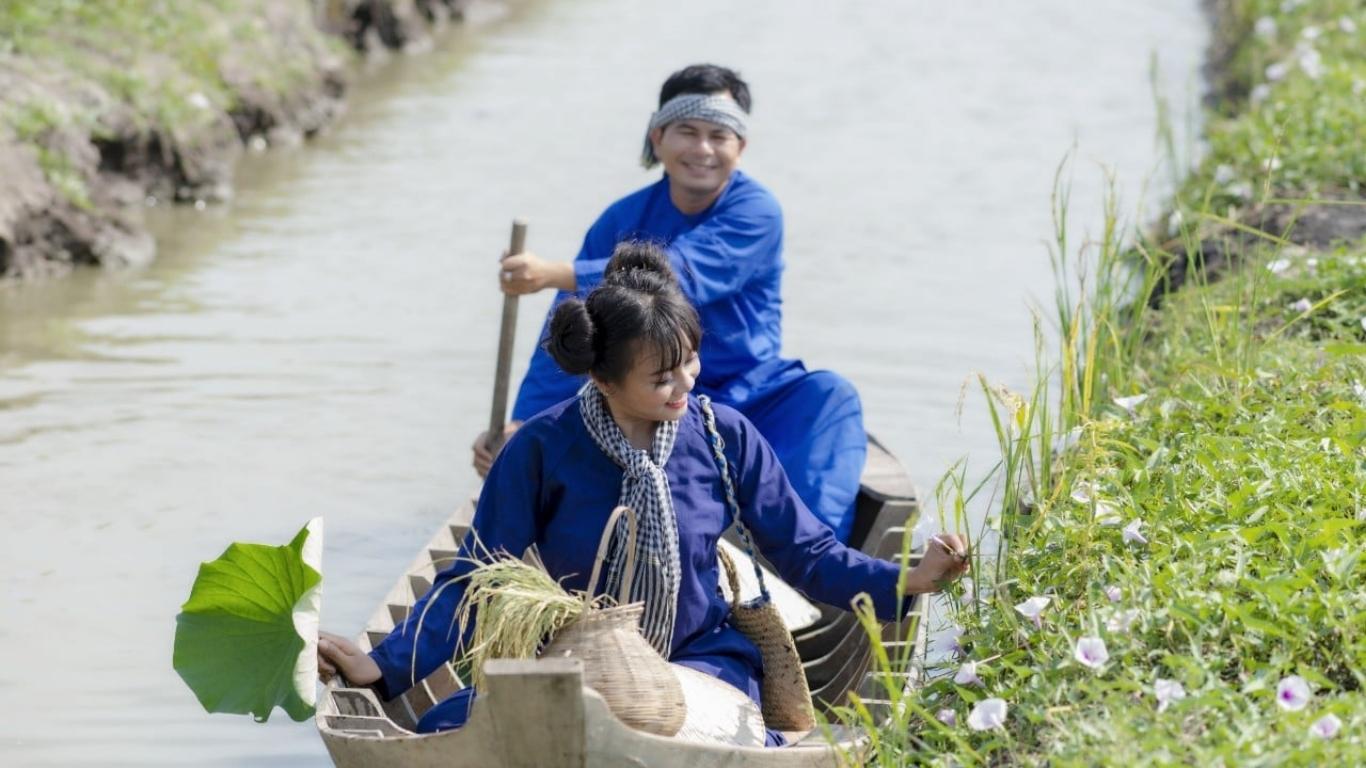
(1243, 190)
(1271, 164)
(1132, 534)
(1293, 694)
(1085, 490)
(1347, 25)
(1113, 593)
(1326, 727)
(956, 640)
(1303, 305)
(1277, 71)
(1311, 32)
(1131, 402)
(1167, 691)
(947, 717)
(1224, 174)
(1259, 93)
(988, 714)
(1265, 27)
(967, 674)
(1107, 515)
(1278, 266)
(1032, 608)
(1122, 621)
(1090, 652)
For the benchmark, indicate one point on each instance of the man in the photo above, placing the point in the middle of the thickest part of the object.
(724, 233)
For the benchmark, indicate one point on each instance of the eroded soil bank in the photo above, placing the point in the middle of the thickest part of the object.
(106, 109)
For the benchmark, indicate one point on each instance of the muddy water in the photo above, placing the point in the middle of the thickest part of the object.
(324, 345)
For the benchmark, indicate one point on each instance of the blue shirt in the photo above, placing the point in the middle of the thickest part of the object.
(553, 487)
(729, 264)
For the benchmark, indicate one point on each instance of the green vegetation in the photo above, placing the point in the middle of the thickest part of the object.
(1182, 497)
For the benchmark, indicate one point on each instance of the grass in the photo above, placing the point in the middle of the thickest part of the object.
(1225, 432)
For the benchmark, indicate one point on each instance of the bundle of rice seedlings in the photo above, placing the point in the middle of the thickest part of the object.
(515, 606)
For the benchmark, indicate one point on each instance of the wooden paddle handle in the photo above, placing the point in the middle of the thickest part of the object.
(506, 334)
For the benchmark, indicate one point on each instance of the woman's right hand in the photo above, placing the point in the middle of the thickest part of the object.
(337, 654)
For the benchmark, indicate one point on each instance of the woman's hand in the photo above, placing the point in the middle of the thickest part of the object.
(947, 557)
(337, 654)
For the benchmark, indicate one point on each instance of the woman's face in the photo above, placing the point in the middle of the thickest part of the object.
(650, 394)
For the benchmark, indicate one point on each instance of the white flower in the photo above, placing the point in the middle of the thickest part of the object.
(199, 100)
(1223, 174)
(1259, 93)
(1174, 222)
(967, 674)
(1132, 534)
(1358, 87)
(1122, 621)
(1326, 727)
(1271, 164)
(1293, 694)
(1090, 652)
(1167, 691)
(988, 714)
(1312, 63)
(1085, 490)
(1130, 403)
(1277, 71)
(947, 717)
(1112, 592)
(1265, 27)
(1363, 323)
(1290, 5)
(1278, 266)
(1242, 190)
(1311, 33)
(1032, 609)
(1360, 390)
(1303, 305)
(1347, 25)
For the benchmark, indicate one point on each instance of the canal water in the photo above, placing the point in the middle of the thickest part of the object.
(324, 344)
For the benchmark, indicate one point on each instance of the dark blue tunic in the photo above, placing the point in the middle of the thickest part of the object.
(553, 487)
(729, 262)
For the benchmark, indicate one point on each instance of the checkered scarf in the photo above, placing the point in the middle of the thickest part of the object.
(645, 489)
(722, 110)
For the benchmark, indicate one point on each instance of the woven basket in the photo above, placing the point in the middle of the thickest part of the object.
(618, 662)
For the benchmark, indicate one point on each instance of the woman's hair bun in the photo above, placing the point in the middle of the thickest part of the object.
(635, 259)
(570, 337)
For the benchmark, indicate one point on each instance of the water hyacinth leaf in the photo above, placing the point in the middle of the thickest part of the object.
(246, 639)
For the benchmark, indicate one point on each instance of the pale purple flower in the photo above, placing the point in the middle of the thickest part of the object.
(1130, 403)
(1224, 174)
(1132, 534)
(1113, 593)
(1277, 71)
(1167, 691)
(1107, 515)
(1293, 694)
(988, 714)
(1243, 190)
(1303, 305)
(1259, 93)
(967, 674)
(1091, 652)
(1311, 33)
(1271, 164)
(1085, 490)
(956, 640)
(1326, 727)
(1122, 621)
(1312, 63)
(1032, 608)
(1347, 25)
(1278, 266)
(1265, 27)
(947, 717)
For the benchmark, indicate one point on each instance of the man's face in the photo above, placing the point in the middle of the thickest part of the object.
(698, 156)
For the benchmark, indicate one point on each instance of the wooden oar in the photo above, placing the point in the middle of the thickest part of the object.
(506, 334)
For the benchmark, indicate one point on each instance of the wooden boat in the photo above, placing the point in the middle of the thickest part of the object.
(538, 714)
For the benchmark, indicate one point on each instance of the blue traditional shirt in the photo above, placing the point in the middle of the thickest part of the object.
(553, 487)
(729, 264)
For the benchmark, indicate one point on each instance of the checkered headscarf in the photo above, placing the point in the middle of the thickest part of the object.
(713, 108)
(645, 489)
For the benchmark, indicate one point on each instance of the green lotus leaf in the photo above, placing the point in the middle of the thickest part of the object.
(246, 641)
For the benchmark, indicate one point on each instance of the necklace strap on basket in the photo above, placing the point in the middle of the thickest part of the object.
(718, 452)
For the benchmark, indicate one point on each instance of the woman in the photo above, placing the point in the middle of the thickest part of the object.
(633, 436)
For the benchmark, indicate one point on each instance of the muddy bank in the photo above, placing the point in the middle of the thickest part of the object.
(105, 111)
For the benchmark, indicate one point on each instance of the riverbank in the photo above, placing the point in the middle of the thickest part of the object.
(106, 109)
(1182, 497)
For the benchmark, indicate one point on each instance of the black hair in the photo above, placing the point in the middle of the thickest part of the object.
(706, 78)
(638, 307)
